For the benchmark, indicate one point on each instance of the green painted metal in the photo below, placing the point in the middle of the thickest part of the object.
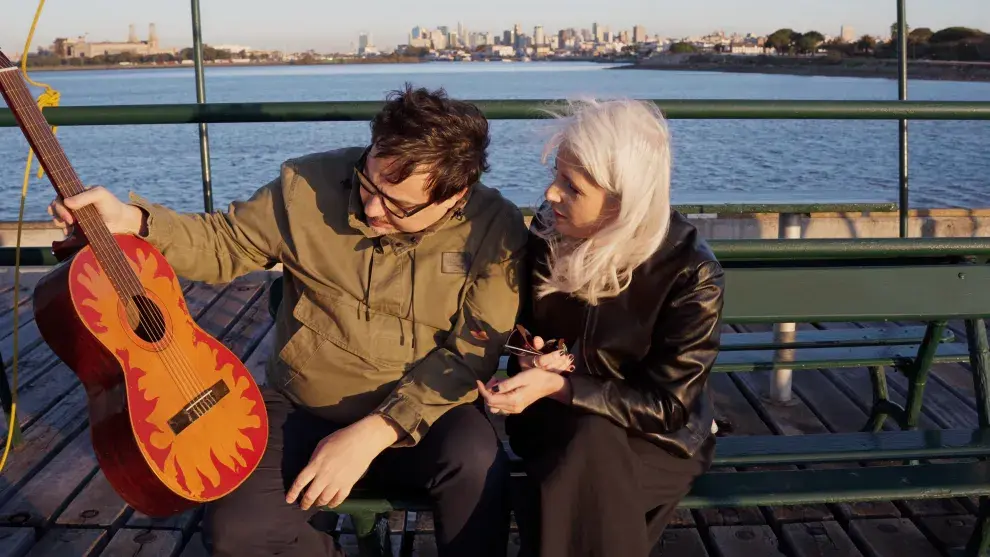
(825, 358)
(802, 487)
(882, 406)
(204, 137)
(979, 363)
(216, 113)
(737, 251)
(918, 371)
(733, 251)
(856, 293)
(760, 450)
(790, 487)
(902, 128)
(796, 208)
(832, 338)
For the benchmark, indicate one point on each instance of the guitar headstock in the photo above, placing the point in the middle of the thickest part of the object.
(4, 61)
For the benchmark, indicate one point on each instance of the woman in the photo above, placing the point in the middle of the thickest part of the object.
(615, 427)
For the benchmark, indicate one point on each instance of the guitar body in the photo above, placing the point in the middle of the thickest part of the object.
(176, 419)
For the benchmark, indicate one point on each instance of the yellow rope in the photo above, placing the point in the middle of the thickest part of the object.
(50, 97)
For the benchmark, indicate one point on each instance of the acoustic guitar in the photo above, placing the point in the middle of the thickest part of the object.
(175, 417)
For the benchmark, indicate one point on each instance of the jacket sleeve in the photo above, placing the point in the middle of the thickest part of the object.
(684, 347)
(220, 246)
(446, 377)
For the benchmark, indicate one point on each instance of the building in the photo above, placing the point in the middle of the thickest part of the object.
(366, 46)
(80, 47)
(639, 34)
(539, 39)
(848, 34)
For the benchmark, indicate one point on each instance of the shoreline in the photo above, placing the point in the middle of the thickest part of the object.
(966, 72)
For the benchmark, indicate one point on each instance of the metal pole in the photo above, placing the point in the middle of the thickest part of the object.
(204, 137)
(788, 227)
(902, 96)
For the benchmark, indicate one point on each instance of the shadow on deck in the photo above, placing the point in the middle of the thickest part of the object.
(55, 501)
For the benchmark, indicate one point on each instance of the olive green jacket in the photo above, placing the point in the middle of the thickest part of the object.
(401, 325)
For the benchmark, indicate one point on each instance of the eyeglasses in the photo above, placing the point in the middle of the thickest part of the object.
(391, 205)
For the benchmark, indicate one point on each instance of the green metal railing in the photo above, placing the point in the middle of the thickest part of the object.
(203, 113)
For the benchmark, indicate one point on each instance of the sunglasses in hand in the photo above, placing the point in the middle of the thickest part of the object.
(520, 343)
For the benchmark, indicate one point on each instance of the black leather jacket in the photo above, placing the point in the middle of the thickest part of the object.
(643, 358)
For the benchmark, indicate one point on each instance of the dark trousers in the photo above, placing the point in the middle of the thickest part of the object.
(459, 462)
(591, 488)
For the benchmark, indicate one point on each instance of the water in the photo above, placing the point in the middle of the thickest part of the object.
(714, 160)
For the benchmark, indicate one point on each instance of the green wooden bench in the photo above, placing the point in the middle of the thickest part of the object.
(811, 281)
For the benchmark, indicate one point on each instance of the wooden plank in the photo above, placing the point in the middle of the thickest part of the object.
(183, 521)
(15, 542)
(56, 429)
(258, 359)
(818, 539)
(40, 499)
(792, 418)
(38, 395)
(96, 505)
(948, 533)
(64, 542)
(744, 541)
(194, 547)
(680, 542)
(890, 537)
(146, 543)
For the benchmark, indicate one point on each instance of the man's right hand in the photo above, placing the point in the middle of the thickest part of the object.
(120, 217)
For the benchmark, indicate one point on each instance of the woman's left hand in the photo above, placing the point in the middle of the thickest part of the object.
(515, 394)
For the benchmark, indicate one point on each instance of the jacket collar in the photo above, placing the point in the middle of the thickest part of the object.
(399, 242)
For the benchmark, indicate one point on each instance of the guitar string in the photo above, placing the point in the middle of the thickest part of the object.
(114, 271)
(17, 87)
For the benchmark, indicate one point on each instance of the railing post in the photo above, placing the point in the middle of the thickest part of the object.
(902, 128)
(204, 138)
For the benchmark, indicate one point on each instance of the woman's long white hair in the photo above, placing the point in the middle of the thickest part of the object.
(624, 146)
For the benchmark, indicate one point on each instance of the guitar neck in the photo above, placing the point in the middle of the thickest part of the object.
(63, 177)
(39, 134)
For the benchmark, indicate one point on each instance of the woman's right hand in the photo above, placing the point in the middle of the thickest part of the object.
(120, 217)
(557, 362)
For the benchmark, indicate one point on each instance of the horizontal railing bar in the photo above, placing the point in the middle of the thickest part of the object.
(726, 250)
(215, 113)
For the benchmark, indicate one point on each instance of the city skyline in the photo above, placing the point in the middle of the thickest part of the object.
(324, 28)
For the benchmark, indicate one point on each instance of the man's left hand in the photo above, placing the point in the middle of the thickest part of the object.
(339, 461)
(516, 393)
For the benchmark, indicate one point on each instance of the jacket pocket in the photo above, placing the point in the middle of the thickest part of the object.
(385, 341)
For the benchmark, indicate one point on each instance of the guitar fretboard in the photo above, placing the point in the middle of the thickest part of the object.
(63, 177)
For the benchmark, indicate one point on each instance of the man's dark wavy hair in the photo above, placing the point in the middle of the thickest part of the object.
(422, 127)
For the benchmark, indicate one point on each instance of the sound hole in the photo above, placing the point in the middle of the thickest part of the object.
(146, 319)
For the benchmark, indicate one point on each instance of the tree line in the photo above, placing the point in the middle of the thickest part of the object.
(951, 43)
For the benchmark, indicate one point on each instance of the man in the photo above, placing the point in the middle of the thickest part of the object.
(401, 285)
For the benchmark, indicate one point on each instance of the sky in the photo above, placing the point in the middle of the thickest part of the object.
(328, 26)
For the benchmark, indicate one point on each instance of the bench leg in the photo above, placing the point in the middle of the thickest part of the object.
(979, 542)
(883, 407)
(372, 531)
(919, 372)
(7, 401)
(979, 362)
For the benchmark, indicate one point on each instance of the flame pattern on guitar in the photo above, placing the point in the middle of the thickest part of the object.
(217, 451)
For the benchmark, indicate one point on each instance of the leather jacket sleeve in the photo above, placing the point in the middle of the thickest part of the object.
(657, 397)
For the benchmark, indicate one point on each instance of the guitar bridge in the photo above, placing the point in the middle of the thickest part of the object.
(199, 406)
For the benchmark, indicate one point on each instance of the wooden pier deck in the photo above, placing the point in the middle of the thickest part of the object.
(55, 502)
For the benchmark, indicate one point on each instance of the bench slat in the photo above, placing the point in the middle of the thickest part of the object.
(856, 293)
(851, 447)
(830, 338)
(802, 487)
(814, 358)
